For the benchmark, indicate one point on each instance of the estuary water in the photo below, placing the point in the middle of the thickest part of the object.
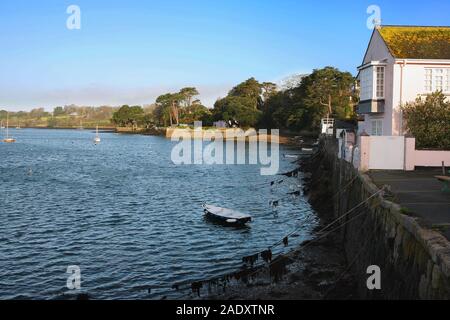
(127, 216)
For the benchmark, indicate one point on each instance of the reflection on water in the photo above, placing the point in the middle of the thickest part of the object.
(125, 214)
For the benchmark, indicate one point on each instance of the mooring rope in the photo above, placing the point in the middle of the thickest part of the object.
(349, 266)
(264, 266)
(322, 233)
(321, 236)
(346, 186)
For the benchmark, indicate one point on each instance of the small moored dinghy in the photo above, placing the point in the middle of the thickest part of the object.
(227, 216)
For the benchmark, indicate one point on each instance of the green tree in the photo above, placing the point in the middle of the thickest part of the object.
(237, 108)
(269, 89)
(243, 103)
(325, 92)
(160, 115)
(38, 113)
(170, 103)
(278, 110)
(58, 111)
(328, 92)
(428, 120)
(128, 116)
(197, 112)
(250, 89)
(187, 94)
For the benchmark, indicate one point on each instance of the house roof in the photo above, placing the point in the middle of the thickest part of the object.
(417, 42)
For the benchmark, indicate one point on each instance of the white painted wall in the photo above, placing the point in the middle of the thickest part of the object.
(413, 86)
(387, 153)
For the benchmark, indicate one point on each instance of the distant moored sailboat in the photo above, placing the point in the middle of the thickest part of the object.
(8, 139)
(97, 137)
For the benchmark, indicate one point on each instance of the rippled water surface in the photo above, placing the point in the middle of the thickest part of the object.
(126, 215)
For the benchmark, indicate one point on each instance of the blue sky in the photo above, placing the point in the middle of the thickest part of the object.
(132, 51)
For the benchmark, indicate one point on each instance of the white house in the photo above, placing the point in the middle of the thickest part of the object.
(401, 63)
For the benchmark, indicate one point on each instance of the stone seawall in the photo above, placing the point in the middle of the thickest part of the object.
(414, 260)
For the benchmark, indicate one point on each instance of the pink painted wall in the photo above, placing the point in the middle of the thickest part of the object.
(371, 156)
(423, 158)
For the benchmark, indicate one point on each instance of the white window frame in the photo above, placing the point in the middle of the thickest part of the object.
(379, 82)
(376, 127)
(447, 86)
(372, 81)
(437, 79)
(428, 80)
(366, 84)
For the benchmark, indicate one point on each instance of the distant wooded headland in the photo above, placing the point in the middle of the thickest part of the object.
(298, 104)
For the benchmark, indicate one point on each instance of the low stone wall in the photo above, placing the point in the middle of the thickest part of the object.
(147, 131)
(129, 130)
(414, 260)
(225, 134)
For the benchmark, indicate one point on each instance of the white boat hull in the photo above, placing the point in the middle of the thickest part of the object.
(225, 215)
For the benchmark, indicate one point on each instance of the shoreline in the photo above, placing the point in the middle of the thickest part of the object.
(67, 128)
(317, 269)
(284, 139)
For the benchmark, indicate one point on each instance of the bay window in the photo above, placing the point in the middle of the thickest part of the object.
(380, 82)
(366, 84)
(372, 83)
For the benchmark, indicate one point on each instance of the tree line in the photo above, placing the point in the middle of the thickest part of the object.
(299, 104)
(61, 116)
(169, 109)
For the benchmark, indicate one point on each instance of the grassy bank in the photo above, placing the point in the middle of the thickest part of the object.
(62, 122)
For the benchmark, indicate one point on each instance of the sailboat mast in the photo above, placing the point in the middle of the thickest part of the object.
(7, 125)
